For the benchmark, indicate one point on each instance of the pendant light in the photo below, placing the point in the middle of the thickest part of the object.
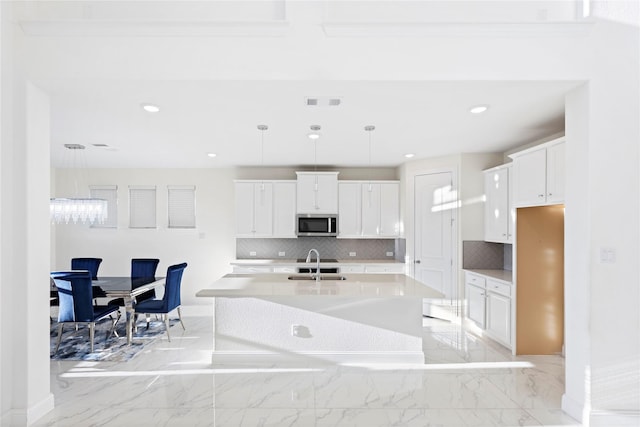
(83, 209)
(369, 129)
(262, 128)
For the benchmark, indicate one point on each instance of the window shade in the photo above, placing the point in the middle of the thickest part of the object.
(110, 194)
(142, 207)
(182, 206)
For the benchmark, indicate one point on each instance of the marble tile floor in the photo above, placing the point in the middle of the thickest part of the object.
(466, 381)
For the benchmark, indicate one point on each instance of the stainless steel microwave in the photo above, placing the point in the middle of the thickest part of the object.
(316, 225)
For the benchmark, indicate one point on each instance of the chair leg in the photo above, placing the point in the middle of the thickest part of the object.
(148, 316)
(60, 326)
(92, 333)
(113, 326)
(166, 325)
(180, 317)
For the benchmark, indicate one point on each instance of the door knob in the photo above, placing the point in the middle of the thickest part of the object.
(417, 261)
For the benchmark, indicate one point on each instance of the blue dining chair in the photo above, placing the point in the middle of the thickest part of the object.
(170, 300)
(75, 296)
(91, 265)
(141, 268)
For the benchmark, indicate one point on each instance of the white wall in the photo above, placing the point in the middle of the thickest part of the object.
(603, 187)
(208, 249)
(24, 232)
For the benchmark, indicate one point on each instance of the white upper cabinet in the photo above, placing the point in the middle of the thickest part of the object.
(538, 174)
(254, 209)
(349, 209)
(317, 192)
(284, 209)
(555, 174)
(498, 215)
(369, 209)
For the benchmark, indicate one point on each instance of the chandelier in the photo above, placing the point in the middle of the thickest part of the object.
(83, 209)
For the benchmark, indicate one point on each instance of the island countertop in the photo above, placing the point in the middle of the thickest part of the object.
(355, 285)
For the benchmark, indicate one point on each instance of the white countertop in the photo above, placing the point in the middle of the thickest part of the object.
(503, 275)
(356, 285)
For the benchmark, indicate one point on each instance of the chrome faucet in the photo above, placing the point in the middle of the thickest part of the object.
(317, 263)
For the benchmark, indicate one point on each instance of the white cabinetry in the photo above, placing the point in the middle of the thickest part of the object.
(498, 213)
(284, 209)
(265, 208)
(539, 175)
(254, 209)
(317, 192)
(369, 209)
(489, 306)
(388, 268)
(475, 291)
(499, 311)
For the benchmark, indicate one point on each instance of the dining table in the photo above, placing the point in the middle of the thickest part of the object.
(128, 289)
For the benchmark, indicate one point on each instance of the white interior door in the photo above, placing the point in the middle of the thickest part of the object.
(435, 204)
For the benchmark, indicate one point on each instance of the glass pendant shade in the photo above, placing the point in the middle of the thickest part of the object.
(83, 209)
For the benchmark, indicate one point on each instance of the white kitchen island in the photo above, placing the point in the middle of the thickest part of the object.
(268, 318)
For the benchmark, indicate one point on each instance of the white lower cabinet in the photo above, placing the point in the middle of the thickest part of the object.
(499, 317)
(489, 306)
(476, 304)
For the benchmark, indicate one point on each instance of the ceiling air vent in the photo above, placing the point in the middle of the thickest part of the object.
(322, 101)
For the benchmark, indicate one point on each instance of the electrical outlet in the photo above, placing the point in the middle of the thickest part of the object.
(252, 253)
(352, 254)
(282, 253)
(389, 253)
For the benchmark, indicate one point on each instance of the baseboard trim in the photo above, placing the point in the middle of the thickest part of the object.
(614, 418)
(253, 358)
(572, 407)
(25, 417)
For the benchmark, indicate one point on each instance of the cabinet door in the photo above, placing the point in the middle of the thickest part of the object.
(317, 193)
(349, 209)
(263, 209)
(555, 174)
(244, 209)
(499, 317)
(476, 304)
(496, 213)
(389, 209)
(370, 209)
(254, 209)
(284, 209)
(530, 178)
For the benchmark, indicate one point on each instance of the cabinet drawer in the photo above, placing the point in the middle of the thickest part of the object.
(352, 269)
(395, 269)
(499, 287)
(285, 270)
(475, 280)
(251, 269)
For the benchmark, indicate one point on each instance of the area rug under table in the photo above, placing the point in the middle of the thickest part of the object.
(75, 345)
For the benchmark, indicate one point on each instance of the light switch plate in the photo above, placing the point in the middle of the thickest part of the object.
(252, 253)
(281, 253)
(352, 254)
(389, 253)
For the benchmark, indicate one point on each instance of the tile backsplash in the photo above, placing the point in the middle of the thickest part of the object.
(329, 247)
(486, 255)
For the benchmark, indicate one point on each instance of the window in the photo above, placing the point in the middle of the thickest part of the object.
(182, 206)
(142, 207)
(110, 194)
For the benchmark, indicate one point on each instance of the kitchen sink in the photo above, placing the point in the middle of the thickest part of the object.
(322, 277)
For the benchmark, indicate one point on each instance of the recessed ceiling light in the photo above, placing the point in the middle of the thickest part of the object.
(409, 155)
(478, 109)
(150, 108)
(211, 154)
